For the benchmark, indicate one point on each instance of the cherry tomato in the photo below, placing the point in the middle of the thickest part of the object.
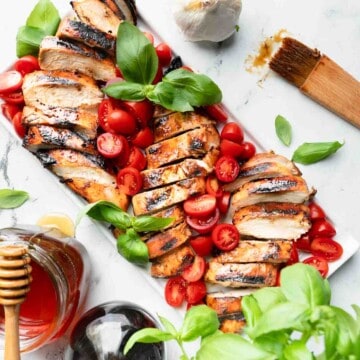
(233, 132)
(122, 160)
(248, 151)
(159, 75)
(164, 54)
(327, 248)
(10, 81)
(16, 98)
(18, 126)
(27, 64)
(294, 255)
(203, 225)
(129, 180)
(303, 243)
(202, 245)
(137, 159)
(316, 212)
(319, 264)
(227, 169)
(175, 290)
(223, 203)
(104, 110)
(231, 148)
(121, 122)
(225, 236)
(110, 145)
(213, 187)
(195, 271)
(149, 36)
(217, 112)
(195, 292)
(143, 110)
(9, 110)
(323, 228)
(200, 206)
(143, 138)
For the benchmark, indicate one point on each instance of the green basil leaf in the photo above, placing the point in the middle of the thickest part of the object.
(273, 342)
(135, 55)
(44, 16)
(125, 90)
(199, 321)
(283, 130)
(28, 41)
(132, 248)
(297, 351)
(147, 335)
(252, 312)
(169, 327)
(225, 346)
(10, 199)
(146, 223)
(116, 217)
(269, 297)
(309, 153)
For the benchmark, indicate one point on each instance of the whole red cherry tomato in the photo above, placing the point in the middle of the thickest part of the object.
(233, 132)
(231, 148)
(143, 138)
(121, 122)
(164, 54)
(142, 110)
(248, 150)
(217, 112)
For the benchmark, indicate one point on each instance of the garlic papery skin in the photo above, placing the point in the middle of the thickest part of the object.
(207, 20)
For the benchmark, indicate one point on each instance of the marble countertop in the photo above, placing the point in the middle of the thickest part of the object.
(254, 98)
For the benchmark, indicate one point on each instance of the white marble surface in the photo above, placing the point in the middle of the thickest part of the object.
(330, 25)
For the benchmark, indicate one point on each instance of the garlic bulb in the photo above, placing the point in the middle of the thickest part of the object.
(211, 20)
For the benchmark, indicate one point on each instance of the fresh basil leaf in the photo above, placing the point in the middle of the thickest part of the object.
(297, 351)
(283, 130)
(44, 16)
(268, 297)
(146, 223)
(199, 321)
(225, 346)
(28, 40)
(116, 217)
(169, 327)
(252, 312)
(10, 199)
(147, 335)
(273, 343)
(309, 153)
(125, 90)
(135, 55)
(132, 248)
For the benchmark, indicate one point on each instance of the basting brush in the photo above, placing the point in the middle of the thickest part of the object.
(318, 77)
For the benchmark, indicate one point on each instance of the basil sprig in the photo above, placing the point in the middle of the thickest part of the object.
(179, 90)
(129, 243)
(283, 130)
(10, 199)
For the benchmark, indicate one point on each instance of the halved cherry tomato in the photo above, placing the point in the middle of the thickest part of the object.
(227, 169)
(195, 271)
(137, 159)
(18, 126)
(327, 248)
(225, 236)
(248, 150)
(164, 54)
(142, 110)
(200, 206)
(231, 148)
(104, 110)
(143, 138)
(15, 97)
(129, 180)
(213, 187)
(233, 132)
(202, 245)
(175, 290)
(27, 64)
(159, 75)
(149, 36)
(316, 212)
(294, 255)
(10, 81)
(122, 160)
(121, 122)
(203, 225)
(195, 292)
(319, 263)
(217, 112)
(110, 145)
(322, 227)
(9, 110)
(223, 202)
(303, 243)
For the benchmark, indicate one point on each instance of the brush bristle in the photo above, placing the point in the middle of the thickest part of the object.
(294, 61)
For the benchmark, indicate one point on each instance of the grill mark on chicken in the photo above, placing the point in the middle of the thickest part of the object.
(232, 323)
(275, 185)
(224, 303)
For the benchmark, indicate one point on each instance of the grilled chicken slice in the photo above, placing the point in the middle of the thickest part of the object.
(70, 56)
(242, 275)
(160, 111)
(274, 251)
(289, 188)
(195, 143)
(97, 14)
(81, 121)
(43, 137)
(123, 9)
(43, 89)
(232, 323)
(162, 198)
(187, 168)
(84, 175)
(167, 240)
(172, 263)
(176, 123)
(286, 221)
(224, 303)
(75, 30)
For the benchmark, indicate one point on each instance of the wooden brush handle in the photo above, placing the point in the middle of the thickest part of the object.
(331, 86)
(12, 347)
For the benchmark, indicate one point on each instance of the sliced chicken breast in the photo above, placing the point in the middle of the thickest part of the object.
(286, 221)
(123, 9)
(57, 54)
(224, 303)
(160, 111)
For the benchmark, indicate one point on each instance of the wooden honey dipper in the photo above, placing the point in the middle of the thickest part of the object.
(14, 285)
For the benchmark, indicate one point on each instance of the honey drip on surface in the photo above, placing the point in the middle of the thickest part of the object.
(58, 221)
